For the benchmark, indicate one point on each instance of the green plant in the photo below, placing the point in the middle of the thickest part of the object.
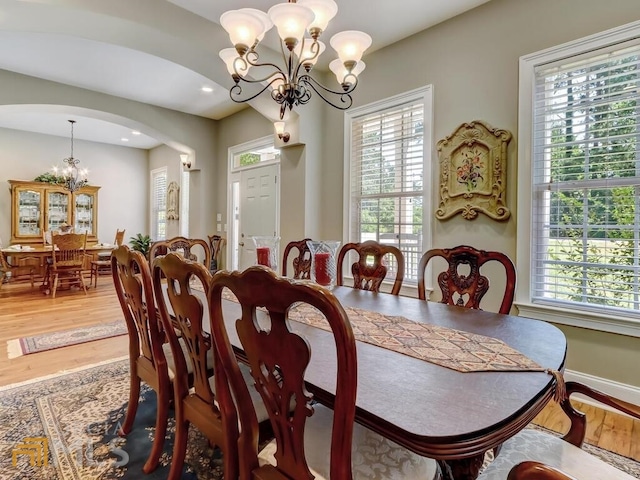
(49, 178)
(141, 243)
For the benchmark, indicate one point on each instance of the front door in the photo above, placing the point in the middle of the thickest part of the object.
(258, 209)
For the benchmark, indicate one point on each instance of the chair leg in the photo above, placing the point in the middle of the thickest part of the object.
(55, 285)
(179, 446)
(162, 415)
(84, 286)
(132, 408)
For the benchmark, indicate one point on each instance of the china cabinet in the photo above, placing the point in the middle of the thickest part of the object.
(38, 207)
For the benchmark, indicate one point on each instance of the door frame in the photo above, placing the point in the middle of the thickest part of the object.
(233, 175)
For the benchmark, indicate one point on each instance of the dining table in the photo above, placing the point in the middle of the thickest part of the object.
(451, 416)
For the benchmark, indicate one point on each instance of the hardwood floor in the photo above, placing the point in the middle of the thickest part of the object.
(25, 311)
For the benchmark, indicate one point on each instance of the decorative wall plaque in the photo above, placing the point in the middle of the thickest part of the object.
(473, 171)
(173, 195)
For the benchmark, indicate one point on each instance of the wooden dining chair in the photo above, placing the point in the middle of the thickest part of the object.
(370, 269)
(455, 285)
(191, 248)
(68, 256)
(564, 454)
(11, 271)
(301, 263)
(103, 261)
(195, 403)
(310, 440)
(150, 358)
(216, 245)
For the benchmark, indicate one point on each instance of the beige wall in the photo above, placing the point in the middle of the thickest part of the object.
(121, 173)
(472, 63)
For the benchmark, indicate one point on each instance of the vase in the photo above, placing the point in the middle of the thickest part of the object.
(323, 261)
(267, 251)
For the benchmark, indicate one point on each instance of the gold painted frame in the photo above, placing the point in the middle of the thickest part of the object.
(473, 171)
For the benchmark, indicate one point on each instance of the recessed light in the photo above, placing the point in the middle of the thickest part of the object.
(207, 89)
(135, 132)
(124, 139)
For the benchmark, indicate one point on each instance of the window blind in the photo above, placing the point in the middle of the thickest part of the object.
(586, 181)
(387, 187)
(159, 204)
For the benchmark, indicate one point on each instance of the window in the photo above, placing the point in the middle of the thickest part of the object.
(159, 204)
(389, 144)
(585, 180)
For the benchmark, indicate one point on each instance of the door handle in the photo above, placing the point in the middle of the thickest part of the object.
(241, 244)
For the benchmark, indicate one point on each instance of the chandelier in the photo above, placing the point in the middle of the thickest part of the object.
(71, 177)
(291, 84)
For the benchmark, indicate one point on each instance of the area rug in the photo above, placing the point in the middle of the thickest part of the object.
(64, 338)
(67, 425)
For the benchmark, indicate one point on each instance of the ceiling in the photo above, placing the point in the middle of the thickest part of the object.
(161, 54)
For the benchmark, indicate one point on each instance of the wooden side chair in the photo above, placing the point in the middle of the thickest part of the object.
(150, 358)
(301, 263)
(370, 269)
(68, 257)
(194, 403)
(311, 441)
(10, 272)
(188, 247)
(563, 458)
(455, 286)
(216, 245)
(103, 262)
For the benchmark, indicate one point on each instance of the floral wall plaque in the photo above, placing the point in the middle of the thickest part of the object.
(473, 163)
(173, 196)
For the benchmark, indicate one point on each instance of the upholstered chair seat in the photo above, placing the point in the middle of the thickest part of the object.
(373, 456)
(553, 451)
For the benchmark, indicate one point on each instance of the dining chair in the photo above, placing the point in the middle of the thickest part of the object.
(191, 248)
(150, 358)
(10, 271)
(370, 269)
(311, 440)
(103, 261)
(216, 245)
(67, 260)
(301, 263)
(455, 285)
(564, 454)
(195, 403)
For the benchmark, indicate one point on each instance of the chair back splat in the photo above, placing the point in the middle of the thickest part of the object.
(148, 363)
(370, 269)
(301, 263)
(189, 247)
(455, 286)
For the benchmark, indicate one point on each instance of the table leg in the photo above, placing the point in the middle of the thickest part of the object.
(461, 469)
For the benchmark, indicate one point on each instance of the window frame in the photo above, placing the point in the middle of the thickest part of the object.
(422, 94)
(574, 316)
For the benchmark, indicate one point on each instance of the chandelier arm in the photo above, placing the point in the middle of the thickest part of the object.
(247, 60)
(345, 95)
(237, 90)
(307, 59)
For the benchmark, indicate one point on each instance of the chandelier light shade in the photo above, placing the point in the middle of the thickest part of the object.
(291, 84)
(72, 178)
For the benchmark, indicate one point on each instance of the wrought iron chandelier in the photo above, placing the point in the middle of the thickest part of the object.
(292, 84)
(72, 178)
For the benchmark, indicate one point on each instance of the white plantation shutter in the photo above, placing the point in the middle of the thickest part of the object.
(586, 181)
(387, 187)
(159, 204)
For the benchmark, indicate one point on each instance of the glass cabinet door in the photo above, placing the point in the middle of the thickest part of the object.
(84, 213)
(29, 213)
(57, 210)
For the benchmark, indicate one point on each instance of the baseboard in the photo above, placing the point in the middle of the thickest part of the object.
(623, 391)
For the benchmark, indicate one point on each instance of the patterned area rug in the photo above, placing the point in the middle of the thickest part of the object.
(67, 424)
(64, 338)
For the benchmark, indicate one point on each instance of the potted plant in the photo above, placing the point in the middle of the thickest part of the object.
(141, 243)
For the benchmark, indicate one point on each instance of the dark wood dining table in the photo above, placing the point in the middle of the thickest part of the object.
(453, 417)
